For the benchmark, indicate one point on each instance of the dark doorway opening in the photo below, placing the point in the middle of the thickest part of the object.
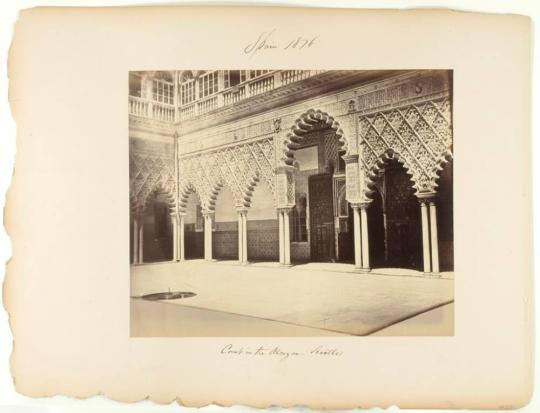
(377, 232)
(445, 218)
(321, 218)
(403, 221)
(394, 222)
(157, 244)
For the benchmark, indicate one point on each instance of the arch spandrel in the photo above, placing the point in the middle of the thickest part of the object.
(420, 135)
(238, 167)
(148, 172)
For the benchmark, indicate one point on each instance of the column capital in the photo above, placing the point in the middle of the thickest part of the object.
(287, 209)
(360, 205)
(208, 214)
(242, 210)
(426, 197)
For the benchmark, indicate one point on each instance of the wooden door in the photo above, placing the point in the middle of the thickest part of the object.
(404, 236)
(321, 210)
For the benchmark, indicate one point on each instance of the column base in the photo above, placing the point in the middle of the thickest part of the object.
(285, 265)
(361, 269)
(432, 275)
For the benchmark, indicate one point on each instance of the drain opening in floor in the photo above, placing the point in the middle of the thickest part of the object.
(169, 295)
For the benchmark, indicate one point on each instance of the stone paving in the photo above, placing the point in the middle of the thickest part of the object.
(315, 299)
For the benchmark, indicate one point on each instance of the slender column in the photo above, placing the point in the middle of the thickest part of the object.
(135, 240)
(357, 237)
(141, 239)
(208, 237)
(281, 238)
(425, 236)
(244, 238)
(182, 239)
(365, 239)
(240, 238)
(434, 237)
(286, 238)
(174, 223)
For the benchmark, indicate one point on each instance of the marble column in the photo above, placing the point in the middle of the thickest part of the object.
(284, 237)
(287, 237)
(182, 241)
(434, 237)
(281, 238)
(425, 236)
(207, 236)
(174, 223)
(242, 236)
(357, 237)
(365, 237)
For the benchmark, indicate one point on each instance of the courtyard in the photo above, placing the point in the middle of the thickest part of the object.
(268, 299)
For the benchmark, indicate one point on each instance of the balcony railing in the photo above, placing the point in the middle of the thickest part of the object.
(252, 87)
(151, 109)
(163, 111)
(138, 106)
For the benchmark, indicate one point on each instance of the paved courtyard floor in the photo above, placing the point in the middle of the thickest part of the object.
(265, 299)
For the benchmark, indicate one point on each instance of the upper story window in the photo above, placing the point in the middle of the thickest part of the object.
(163, 88)
(187, 88)
(231, 78)
(246, 75)
(208, 84)
(257, 73)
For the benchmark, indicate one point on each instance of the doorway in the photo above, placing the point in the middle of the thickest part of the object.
(321, 218)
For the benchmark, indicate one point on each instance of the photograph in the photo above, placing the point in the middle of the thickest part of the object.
(287, 203)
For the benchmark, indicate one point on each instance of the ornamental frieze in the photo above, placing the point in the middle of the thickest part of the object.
(415, 88)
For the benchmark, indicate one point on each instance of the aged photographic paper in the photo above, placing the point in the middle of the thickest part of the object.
(310, 209)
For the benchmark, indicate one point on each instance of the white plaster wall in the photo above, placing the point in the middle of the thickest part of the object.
(225, 208)
(262, 206)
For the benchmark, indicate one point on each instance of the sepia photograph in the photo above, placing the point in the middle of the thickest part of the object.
(291, 203)
(272, 214)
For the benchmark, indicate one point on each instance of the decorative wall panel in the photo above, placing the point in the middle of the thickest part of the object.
(418, 135)
(239, 167)
(151, 170)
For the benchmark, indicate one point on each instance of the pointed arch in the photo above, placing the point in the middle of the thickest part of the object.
(185, 191)
(307, 122)
(159, 188)
(373, 172)
(248, 189)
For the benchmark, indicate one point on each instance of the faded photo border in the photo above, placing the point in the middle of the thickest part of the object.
(68, 306)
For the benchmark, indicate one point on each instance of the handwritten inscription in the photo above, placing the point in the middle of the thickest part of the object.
(278, 352)
(267, 41)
